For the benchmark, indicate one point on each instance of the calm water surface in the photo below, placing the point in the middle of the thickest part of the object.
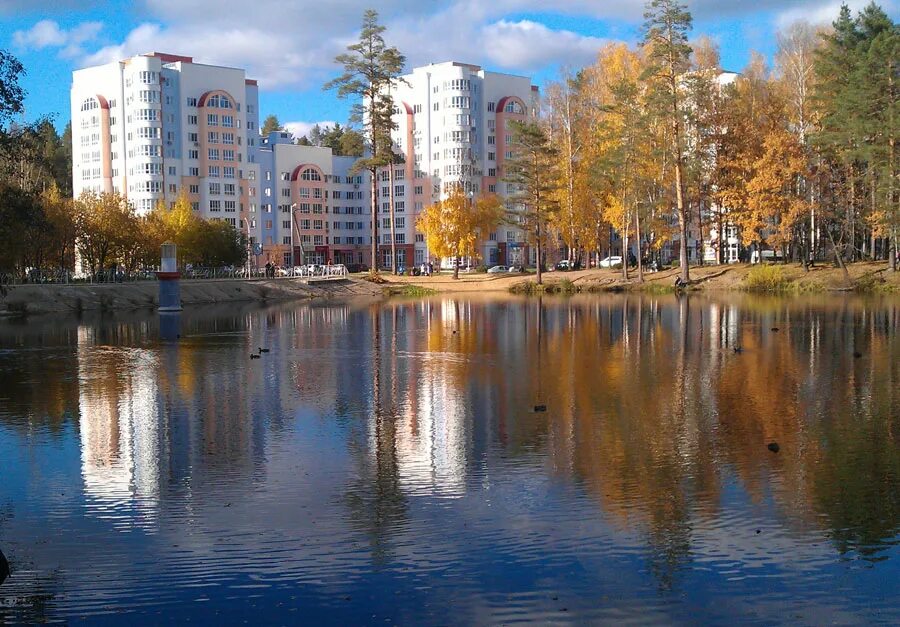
(384, 463)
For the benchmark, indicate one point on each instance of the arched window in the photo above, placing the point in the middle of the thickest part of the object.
(309, 174)
(513, 107)
(90, 104)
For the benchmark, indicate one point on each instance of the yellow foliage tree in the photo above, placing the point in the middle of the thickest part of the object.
(453, 227)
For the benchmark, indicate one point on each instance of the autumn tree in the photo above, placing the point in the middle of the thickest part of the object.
(533, 172)
(569, 130)
(455, 226)
(105, 225)
(668, 53)
(370, 68)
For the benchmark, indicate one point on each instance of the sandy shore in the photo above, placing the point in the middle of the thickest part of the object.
(819, 278)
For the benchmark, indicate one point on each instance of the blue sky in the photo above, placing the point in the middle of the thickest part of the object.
(289, 45)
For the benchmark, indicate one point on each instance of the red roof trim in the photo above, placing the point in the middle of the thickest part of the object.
(165, 57)
(295, 175)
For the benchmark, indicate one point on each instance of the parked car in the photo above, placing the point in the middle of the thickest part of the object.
(497, 269)
(610, 262)
(563, 265)
(517, 268)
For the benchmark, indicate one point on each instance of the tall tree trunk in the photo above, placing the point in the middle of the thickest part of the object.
(538, 244)
(851, 215)
(391, 201)
(640, 248)
(374, 174)
(682, 212)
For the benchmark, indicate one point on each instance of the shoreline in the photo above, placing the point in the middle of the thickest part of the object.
(866, 278)
(37, 299)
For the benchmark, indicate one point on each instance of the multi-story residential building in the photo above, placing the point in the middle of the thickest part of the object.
(452, 129)
(156, 125)
(312, 209)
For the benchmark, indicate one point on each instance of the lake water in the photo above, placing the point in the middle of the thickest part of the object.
(384, 463)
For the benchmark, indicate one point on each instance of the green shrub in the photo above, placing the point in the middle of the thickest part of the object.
(410, 290)
(766, 278)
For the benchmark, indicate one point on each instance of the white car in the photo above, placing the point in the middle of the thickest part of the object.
(497, 269)
(609, 262)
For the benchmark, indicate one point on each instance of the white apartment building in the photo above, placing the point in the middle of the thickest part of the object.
(452, 129)
(312, 209)
(158, 124)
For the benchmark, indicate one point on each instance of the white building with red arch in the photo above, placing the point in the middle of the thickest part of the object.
(452, 129)
(156, 125)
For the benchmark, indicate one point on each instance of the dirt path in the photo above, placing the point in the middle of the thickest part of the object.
(819, 278)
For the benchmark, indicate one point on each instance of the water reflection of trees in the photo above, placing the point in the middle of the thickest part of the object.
(652, 410)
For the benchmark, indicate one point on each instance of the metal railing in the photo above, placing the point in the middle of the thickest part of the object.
(57, 277)
(331, 271)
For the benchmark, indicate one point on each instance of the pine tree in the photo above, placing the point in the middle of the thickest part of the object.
(533, 171)
(665, 38)
(370, 68)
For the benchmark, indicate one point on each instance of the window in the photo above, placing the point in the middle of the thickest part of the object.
(492, 156)
(212, 119)
(513, 107)
(214, 171)
(228, 171)
(215, 205)
(194, 189)
(229, 189)
(491, 140)
(215, 188)
(492, 188)
(230, 206)
(317, 224)
(435, 107)
(285, 192)
(399, 206)
(192, 102)
(310, 174)
(492, 171)
(286, 224)
(228, 138)
(193, 154)
(286, 240)
(192, 119)
(228, 121)
(212, 137)
(213, 154)
(419, 238)
(194, 171)
(228, 155)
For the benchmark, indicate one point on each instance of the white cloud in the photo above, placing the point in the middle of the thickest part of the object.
(527, 44)
(48, 34)
(299, 129)
(823, 13)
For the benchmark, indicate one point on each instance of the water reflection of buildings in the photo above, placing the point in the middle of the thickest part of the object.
(163, 420)
(120, 427)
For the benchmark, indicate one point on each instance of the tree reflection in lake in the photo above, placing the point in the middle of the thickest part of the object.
(396, 447)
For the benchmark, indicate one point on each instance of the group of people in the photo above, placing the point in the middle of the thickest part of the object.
(270, 270)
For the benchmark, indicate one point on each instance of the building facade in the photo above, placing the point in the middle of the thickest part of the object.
(452, 129)
(157, 125)
(313, 210)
